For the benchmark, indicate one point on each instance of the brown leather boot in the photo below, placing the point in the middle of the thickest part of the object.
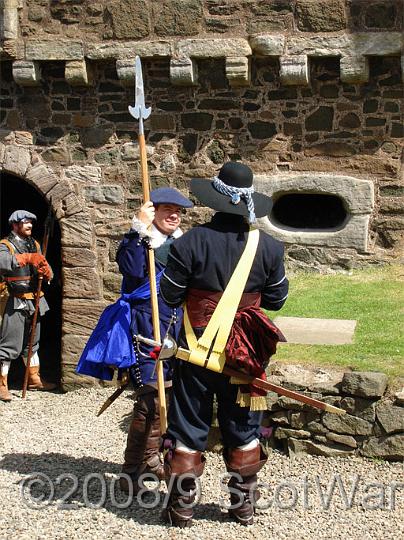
(142, 447)
(244, 493)
(4, 393)
(182, 469)
(35, 382)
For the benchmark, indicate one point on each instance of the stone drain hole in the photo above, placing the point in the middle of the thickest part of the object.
(309, 211)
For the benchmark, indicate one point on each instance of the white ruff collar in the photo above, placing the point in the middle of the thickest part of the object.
(157, 238)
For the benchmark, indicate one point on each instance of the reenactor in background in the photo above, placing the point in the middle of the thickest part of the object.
(21, 262)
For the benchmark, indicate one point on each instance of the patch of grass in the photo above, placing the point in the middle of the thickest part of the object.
(374, 297)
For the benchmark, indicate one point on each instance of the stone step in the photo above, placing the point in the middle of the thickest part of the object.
(313, 331)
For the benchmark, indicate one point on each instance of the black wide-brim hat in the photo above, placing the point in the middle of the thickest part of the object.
(235, 175)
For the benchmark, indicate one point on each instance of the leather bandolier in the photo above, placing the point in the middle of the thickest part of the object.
(22, 282)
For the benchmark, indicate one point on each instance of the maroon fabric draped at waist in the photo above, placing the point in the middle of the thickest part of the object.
(201, 304)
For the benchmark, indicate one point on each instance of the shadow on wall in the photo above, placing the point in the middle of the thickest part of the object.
(16, 194)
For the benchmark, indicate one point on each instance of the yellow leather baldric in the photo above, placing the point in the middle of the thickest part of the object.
(209, 350)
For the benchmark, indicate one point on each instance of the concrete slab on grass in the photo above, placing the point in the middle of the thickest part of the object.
(316, 331)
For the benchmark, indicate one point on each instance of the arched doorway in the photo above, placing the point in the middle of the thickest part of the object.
(16, 193)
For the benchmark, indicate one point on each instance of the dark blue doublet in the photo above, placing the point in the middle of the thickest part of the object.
(132, 260)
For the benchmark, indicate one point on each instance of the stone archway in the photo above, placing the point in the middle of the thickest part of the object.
(81, 292)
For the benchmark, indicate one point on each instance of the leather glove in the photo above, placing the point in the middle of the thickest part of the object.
(37, 260)
(45, 270)
(30, 258)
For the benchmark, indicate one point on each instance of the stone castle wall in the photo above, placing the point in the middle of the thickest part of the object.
(309, 93)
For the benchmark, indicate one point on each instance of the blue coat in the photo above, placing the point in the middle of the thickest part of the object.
(110, 343)
(132, 260)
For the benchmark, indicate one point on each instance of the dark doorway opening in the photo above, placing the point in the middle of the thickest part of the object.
(15, 194)
(309, 211)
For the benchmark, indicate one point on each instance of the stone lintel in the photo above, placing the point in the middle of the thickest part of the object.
(144, 49)
(238, 71)
(376, 43)
(354, 234)
(10, 19)
(294, 70)
(183, 72)
(357, 193)
(77, 73)
(213, 48)
(355, 44)
(268, 44)
(26, 73)
(354, 69)
(54, 50)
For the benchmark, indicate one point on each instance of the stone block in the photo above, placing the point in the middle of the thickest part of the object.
(58, 193)
(112, 283)
(81, 283)
(70, 380)
(85, 174)
(72, 347)
(104, 194)
(2, 153)
(128, 49)
(346, 440)
(10, 19)
(56, 154)
(126, 71)
(305, 446)
(42, 177)
(26, 73)
(268, 44)
(183, 71)
(183, 18)
(78, 319)
(77, 231)
(72, 256)
(320, 15)
(78, 73)
(70, 205)
(294, 70)
(23, 137)
(358, 197)
(399, 397)
(390, 448)
(316, 427)
(238, 71)
(131, 151)
(213, 48)
(347, 424)
(310, 378)
(55, 49)
(390, 416)
(364, 384)
(130, 19)
(363, 408)
(354, 69)
(346, 44)
(285, 433)
(16, 160)
(280, 417)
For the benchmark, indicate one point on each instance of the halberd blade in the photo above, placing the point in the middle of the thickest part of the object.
(139, 110)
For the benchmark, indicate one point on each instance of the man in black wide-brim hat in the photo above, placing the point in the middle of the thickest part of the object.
(199, 268)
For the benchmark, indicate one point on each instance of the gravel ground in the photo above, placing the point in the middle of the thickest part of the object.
(58, 435)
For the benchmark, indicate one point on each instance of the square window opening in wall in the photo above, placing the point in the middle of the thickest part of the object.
(318, 209)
